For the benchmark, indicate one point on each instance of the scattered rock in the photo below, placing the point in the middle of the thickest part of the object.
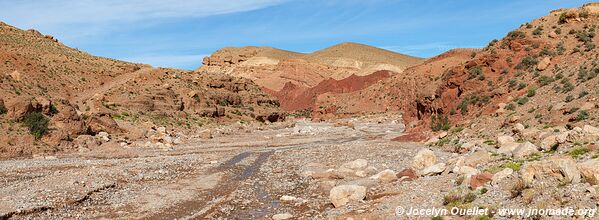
(501, 175)
(341, 195)
(548, 143)
(385, 176)
(407, 174)
(544, 63)
(424, 158)
(590, 171)
(356, 164)
(524, 150)
(560, 167)
(287, 198)
(477, 158)
(591, 130)
(502, 140)
(282, 216)
(480, 180)
(433, 170)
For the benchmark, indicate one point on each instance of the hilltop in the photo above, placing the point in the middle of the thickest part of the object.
(272, 68)
(54, 98)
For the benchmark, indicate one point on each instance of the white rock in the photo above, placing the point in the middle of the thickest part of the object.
(282, 216)
(500, 175)
(501, 140)
(341, 195)
(161, 129)
(433, 170)
(442, 134)
(287, 198)
(525, 149)
(591, 130)
(356, 164)
(385, 176)
(424, 158)
(519, 127)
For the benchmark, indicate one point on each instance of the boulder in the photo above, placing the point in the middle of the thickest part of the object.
(502, 140)
(18, 108)
(590, 171)
(544, 63)
(424, 158)
(480, 180)
(355, 165)
(433, 170)
(501, 175)
(465, 170)
(466, 147)
(407, 174)
(560, 167)
(15, 75)
(102, 122)
(385, 176)
(282, 216)
(549, 142)
(524, 150)
(591, 130)
(508, 148)
(477, 158)
(341, 195)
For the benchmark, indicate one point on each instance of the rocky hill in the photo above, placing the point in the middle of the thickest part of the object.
(52, 97)
(272, 68)
(543, 73)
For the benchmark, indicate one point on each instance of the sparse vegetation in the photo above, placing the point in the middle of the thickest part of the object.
(531, 92)
(578, 151)
(440, 122)
(516, 34)
(527, 63)
(37, 124)
(522, 100)
(582, 115)
(3, 109)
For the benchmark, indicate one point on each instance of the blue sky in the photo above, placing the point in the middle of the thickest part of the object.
(178, 33)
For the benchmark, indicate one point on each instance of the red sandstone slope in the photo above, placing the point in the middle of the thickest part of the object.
(295, 98)
(544, 72)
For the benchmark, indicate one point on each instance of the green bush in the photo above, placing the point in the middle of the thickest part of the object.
(37, 124)
(3, 109)
(516, 34)
(569, 98)
(582, 115)
(531, 92)
(545, 80)
(510, 107)
(527, 63)
(440, 122)
(522, 100)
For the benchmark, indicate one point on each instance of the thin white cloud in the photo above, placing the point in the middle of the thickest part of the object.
(85, 15)
(175, 61)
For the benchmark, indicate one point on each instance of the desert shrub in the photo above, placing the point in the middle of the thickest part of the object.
(440, 122)
(537, 31)
(522, 100)
(475, 71)
(458, 198)
(516, 34)
(512, 83)
(560, 48)
(582, 94)
(53, 109)
(578, 151)
(527, 63)
(37, 124)
(562, 18)
(531, 92)
(545, 80)
(510, 107)
(567, 86)
(582, 115)
(3, 109)
(522, 85)
(546, 52)
(558, 31)
(569, 98)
